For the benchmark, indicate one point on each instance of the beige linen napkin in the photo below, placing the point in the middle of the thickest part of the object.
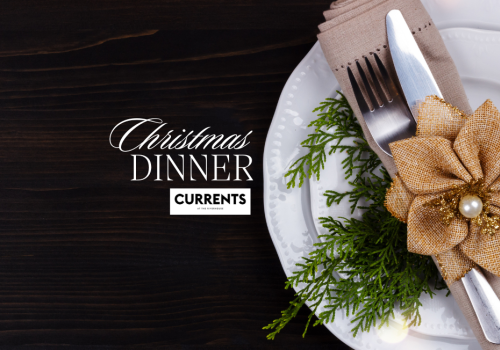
(355, 29)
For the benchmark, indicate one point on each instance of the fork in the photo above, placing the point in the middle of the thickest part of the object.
(390, 120)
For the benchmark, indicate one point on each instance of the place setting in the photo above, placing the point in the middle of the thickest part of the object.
(381, 176)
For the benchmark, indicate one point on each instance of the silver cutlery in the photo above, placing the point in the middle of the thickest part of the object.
(413, 72)
(417, 83)
(388, 120)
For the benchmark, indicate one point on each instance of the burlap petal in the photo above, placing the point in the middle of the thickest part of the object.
(495, 201)
(495, 186)
(427, 235)
(495, 209)
(478, 143)
(398, 199)
(483, 249)
(454, 265)
(438, 118)
(428, 164)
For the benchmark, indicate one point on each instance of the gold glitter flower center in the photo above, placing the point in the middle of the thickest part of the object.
(448, 204)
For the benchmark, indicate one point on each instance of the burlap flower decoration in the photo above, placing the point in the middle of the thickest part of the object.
(453, 156)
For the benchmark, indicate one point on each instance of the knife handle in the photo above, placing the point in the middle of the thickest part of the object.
(485, 304)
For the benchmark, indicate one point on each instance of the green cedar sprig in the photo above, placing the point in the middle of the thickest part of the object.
(333, 113)
(370, 252)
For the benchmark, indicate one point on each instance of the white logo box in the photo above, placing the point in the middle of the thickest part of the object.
(210, 201)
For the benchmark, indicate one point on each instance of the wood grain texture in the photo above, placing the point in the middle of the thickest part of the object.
(89, 259)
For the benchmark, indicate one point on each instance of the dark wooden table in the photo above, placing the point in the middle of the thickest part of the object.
(89, 259)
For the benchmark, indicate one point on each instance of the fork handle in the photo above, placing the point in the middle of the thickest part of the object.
(485, 303)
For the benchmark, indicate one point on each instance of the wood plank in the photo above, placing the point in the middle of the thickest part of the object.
(89, 258)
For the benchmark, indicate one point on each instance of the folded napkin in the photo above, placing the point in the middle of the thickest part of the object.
(355, 29)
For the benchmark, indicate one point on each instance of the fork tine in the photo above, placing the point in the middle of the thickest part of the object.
(391, 88)
(368, 88)
(357, 93)
(376, 82)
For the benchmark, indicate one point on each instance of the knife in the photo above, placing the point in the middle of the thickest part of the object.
(413, 72)
(417, 83)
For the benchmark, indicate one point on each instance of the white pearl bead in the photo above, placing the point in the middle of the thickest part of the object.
(470, 206)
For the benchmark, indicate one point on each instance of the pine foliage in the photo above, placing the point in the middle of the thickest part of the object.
(371, 252)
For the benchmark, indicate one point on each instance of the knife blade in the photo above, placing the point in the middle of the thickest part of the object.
(413, 72)
(485, 303)
(417, 83)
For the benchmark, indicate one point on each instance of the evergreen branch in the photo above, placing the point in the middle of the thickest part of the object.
(336, 123)
(371, 252)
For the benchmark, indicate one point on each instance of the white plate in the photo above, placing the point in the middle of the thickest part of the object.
(289, 215)
(478, 14)
(441, 315)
